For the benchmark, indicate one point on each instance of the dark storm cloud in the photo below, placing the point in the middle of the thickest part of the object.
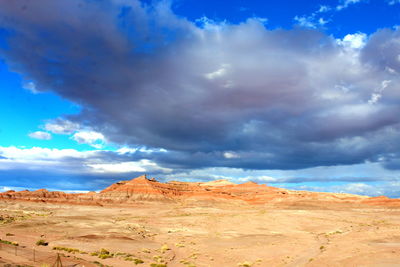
(218, 95)
(383, 50)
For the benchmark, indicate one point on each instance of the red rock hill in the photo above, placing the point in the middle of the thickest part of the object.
(143, 189)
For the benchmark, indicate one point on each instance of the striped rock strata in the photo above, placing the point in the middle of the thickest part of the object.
(143, 189)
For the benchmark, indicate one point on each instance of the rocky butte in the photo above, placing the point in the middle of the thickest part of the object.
(144, 189)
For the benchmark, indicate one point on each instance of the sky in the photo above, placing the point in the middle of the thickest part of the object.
(303, 95)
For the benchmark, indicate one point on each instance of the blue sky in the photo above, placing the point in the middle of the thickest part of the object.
(24, 111)
(358, 16)
(296, 94)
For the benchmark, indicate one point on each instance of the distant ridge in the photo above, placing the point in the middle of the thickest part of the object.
(143, 189)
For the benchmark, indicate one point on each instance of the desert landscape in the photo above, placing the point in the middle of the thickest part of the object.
(187, 133)
(143, 222)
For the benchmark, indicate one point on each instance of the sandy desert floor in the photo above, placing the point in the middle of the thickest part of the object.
(167, 234)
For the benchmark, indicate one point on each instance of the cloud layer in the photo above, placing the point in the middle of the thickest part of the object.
(211, 94)
(40, 135)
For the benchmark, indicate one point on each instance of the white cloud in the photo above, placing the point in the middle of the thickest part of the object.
(378, 92)
(61, 126)
(82, 136)
(259, 179)
(30, 86)
(6, 188)
(92, 138)
(231, 155)
(307, 22)
(130, 150)
(40, 135)
(143, 165)
(360, 188)
(120, 167)
(72, 161)
(126, 150)
(218, 73)
(347, 3)
(262, 20)
(374, 98)
(323, 9)
(38, 153)
(353, 41)
(210, 24)
(314, 20)
(310, 21)
(322, 21)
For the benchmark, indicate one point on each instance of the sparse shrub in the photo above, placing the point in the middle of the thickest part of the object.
(121, 254)
(164, 248)
(193, 256)
(245, 264)
(9, 242)
(69, 250)
(322, 247)
(158, 265)
(100, 264)
(135, 260)
(187, 263)
(158, 258)
(9, 234)
(138, 261)
(104, 256)
(104, 251)
(42, 242)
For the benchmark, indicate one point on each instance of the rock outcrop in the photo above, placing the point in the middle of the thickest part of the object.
(144, 189)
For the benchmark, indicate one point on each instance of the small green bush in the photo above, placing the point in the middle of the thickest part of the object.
(104, 256)
(9, 243)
